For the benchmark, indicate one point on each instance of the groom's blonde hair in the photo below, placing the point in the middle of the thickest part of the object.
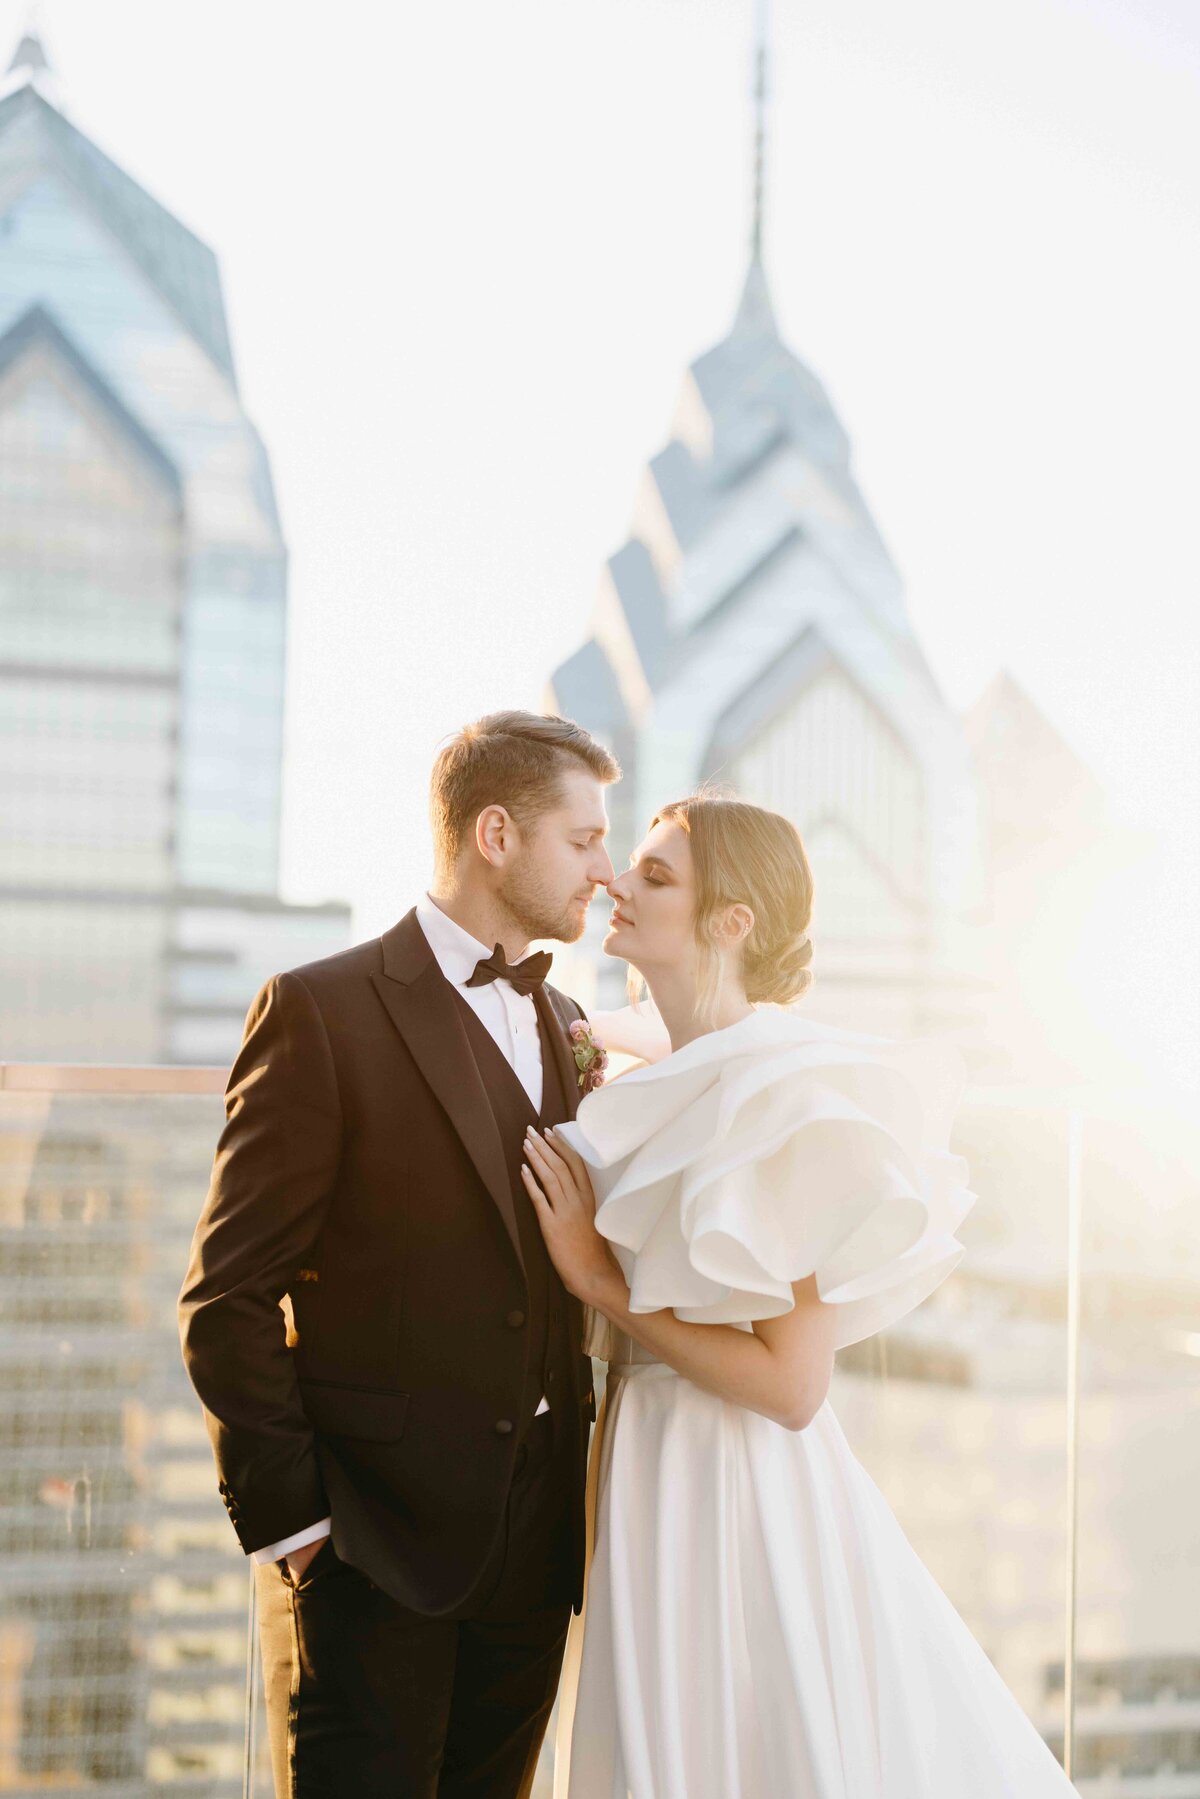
(512, 759)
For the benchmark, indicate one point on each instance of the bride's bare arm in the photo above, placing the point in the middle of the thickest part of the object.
(781, 1368)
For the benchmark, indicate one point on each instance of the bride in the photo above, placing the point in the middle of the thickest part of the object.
(756, 1624)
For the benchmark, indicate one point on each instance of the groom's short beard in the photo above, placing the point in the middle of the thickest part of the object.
(540, 915)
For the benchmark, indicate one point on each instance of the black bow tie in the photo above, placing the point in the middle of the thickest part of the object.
(523, 976)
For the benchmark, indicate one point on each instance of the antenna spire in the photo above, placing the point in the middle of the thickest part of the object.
(761, 55)
(29, 60)
(755, 317)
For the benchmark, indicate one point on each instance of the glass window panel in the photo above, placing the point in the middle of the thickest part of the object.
(123, 1614)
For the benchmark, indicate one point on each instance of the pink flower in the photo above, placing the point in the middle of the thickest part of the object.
(591, 1057)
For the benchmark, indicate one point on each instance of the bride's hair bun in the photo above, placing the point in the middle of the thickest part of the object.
(777, 973)
(745, 855)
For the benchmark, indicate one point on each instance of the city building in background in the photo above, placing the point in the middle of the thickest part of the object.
(123, 1592)
(753, 631)
(143, 604)
(1050, 843)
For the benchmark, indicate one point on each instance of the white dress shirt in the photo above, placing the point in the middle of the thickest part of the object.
(511, 1019)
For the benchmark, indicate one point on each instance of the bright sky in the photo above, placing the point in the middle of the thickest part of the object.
(469, 249)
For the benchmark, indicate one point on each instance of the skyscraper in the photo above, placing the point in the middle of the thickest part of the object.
(753, 630)
(143, 592)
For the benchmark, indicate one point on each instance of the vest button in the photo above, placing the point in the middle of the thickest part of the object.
(515, 1320)
(504, 1427)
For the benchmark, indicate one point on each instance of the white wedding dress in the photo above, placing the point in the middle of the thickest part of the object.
(756, 1624)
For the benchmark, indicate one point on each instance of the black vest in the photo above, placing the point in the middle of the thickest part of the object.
(548, 1363)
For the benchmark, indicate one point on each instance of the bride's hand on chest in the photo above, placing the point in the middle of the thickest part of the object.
(560, 1188)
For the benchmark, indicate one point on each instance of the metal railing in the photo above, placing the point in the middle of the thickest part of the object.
(98, 1077)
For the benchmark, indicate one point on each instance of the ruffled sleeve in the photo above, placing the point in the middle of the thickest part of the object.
(775, 1150)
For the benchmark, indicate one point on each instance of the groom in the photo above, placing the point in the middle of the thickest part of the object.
(406, 1463)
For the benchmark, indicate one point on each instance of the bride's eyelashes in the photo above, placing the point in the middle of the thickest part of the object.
(650, 880)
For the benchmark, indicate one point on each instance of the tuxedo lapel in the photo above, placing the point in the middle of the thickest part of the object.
(420, 1003)
(556, 1029)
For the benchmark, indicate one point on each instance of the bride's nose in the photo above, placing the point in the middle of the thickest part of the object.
(615, 891)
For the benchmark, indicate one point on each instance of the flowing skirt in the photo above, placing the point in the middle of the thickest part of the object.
(758, 1625)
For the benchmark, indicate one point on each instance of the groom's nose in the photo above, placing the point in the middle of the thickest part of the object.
(601, 870)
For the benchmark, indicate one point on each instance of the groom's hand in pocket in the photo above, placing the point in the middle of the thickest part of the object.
(298, 1560)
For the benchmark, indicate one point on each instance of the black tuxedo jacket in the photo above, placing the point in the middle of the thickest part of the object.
(361, 1173)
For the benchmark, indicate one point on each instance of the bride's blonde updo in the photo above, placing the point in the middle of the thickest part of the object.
(745, 854)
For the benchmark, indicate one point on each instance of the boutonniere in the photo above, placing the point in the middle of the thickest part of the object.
(591, 1057)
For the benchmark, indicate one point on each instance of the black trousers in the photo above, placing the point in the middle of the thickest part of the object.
(367, 1700)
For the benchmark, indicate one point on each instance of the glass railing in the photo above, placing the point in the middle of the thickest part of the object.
(123, 1593)
(1035, 1426)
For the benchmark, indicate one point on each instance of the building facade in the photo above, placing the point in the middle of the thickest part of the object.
(123, 1591)
(143, 604)
(752, 631)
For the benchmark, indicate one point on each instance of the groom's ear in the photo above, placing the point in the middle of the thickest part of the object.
(494, 835)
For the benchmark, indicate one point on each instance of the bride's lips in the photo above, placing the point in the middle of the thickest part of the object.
(618, 918)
